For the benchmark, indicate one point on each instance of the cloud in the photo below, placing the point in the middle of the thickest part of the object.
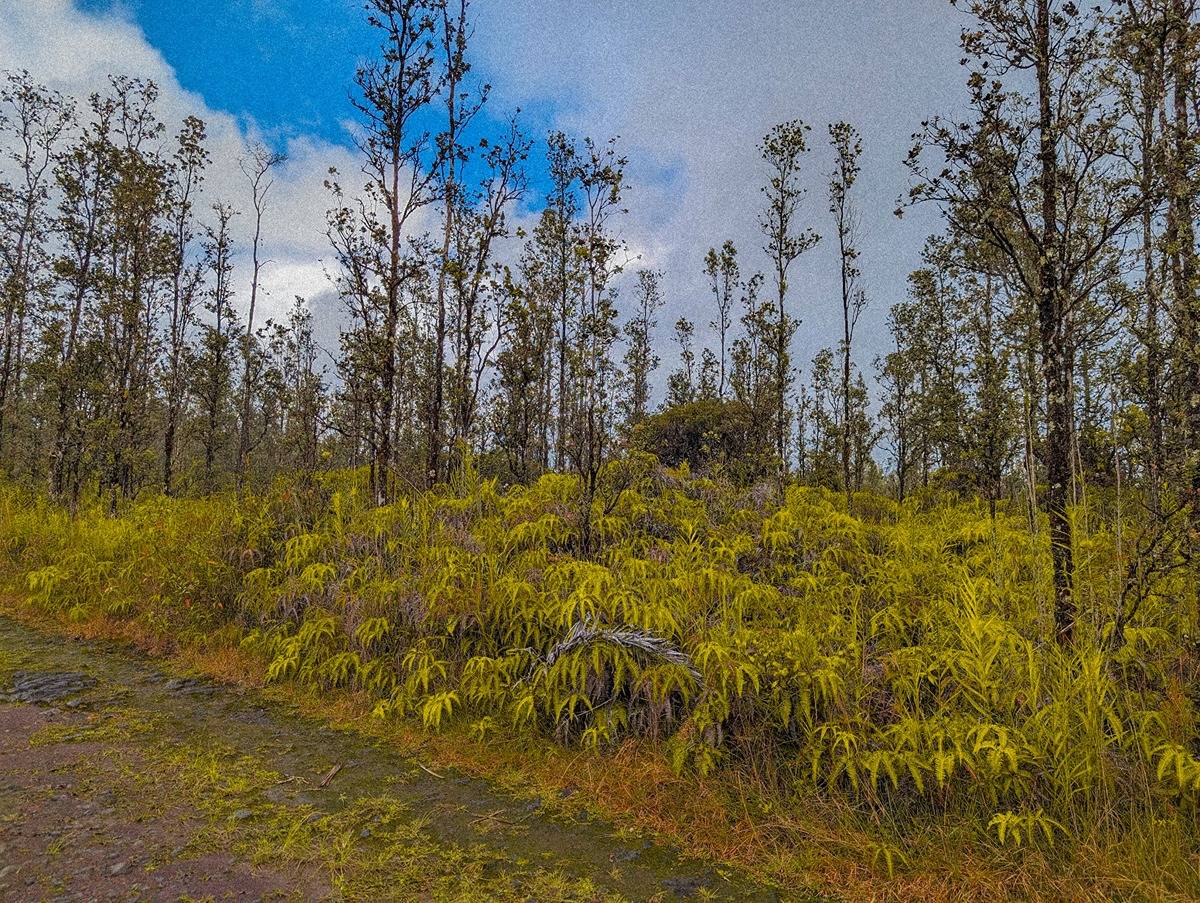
(692, 86)
(75, 52)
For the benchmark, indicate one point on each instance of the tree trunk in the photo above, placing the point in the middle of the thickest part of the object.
(1056, 347)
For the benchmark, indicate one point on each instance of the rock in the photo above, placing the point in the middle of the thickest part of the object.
(119, 868)
(44, 687)
(242, 814)
(365, 832)
(684, 887)
(191, 686)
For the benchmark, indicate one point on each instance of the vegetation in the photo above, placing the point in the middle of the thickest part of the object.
(959, 601)
(892, 662)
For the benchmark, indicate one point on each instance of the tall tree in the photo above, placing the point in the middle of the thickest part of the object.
(783, 149)
(601, 175)
(33, 123)
(138, 264)
(85, 175)
(640, 359)
(724, 274)
(214, 364)
(370, 239)
(1037, 178)
(847, 146)
(452, 155)
(187, 175)
(480, 224)
(563, 206)
(257, 167)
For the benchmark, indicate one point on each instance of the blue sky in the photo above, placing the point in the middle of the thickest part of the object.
(285, 65)
(688, 85)
(285, 62)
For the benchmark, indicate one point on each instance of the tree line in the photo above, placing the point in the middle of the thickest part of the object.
(1049, 342)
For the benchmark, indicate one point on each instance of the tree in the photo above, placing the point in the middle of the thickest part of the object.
(601, 175)
(452, 156)
(782, 149)
(681, 385)
(187, 175)
(848, 148)
(897, 377)
(257, 167)
(523, 378)
(138, 260)
(301, 392)
(33, 122)
(1036, 177)
(640, 359)
(85, 175)
(1180, 234)
(480, 225)
(370, 239)
(1139, 47)
(562, 208)
(214, 364)
(723, 277)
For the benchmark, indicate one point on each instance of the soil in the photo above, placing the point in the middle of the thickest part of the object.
(119, 781)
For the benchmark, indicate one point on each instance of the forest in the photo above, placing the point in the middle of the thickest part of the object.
(898, 630)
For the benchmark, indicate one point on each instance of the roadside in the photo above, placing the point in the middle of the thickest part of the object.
(119, 781)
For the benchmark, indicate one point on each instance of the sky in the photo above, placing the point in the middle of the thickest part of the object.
(688, 86)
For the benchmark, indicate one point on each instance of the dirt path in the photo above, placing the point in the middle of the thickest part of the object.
(118, 782)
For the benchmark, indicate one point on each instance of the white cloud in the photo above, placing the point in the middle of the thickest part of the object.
(691, 86)
(75, 52)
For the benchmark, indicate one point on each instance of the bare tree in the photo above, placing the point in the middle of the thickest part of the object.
(257, 167)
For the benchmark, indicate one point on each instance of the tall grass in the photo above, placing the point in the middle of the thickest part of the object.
(896, 660)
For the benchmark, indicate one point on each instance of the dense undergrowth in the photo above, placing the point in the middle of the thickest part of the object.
(894, 662)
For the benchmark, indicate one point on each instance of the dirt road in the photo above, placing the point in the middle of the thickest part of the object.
(119, 781)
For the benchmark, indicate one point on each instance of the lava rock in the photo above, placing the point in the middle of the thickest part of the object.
(48, 686)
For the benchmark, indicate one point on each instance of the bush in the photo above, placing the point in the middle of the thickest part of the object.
(704, 434)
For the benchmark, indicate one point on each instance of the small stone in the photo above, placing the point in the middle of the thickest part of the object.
(242, 814)
(684, 887)
(365, 832)
(119, 869)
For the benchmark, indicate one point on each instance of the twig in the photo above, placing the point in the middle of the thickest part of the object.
(495, 816)
(330, 775)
